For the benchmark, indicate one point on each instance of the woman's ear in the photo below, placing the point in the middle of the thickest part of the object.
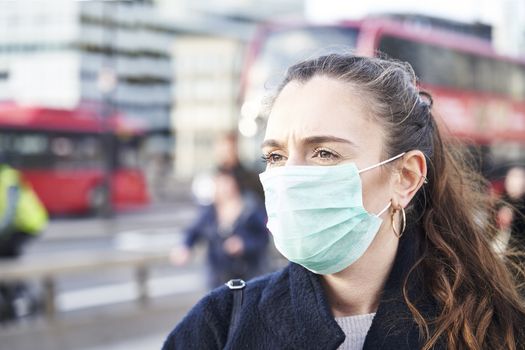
(412, 175)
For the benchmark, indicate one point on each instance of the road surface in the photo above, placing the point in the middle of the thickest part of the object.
(98, 310)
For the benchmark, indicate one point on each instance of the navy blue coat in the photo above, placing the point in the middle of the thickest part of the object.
(250, 226)
(289, 310)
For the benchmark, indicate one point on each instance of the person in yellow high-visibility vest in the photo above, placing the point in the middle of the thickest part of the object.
(22, 214)
(22, 217)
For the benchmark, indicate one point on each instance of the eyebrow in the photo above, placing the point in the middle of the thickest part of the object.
(310, 140)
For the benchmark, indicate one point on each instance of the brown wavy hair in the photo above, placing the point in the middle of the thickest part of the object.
(476, 290)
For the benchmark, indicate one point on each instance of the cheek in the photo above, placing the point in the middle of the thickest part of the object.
(376, 191)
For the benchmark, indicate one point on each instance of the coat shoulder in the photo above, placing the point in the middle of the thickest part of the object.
(207, 323)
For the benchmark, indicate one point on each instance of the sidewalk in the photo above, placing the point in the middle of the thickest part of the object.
(147, 343)
(156, 216)
(123, 326)
(176, 208)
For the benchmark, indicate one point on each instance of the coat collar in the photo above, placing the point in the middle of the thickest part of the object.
(295, 309)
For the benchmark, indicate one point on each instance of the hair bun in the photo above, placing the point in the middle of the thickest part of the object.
(426, 98)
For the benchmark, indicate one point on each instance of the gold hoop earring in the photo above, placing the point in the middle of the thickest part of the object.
(404, 222)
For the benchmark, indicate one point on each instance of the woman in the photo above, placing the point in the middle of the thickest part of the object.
(234, 228)
(382, 223)
(512, 213)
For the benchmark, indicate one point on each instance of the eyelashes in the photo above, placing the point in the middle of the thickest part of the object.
(321, 154)
(271, 158)
(325, 153)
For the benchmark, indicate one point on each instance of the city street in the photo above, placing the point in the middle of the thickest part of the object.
(361, 147)
(90, 302)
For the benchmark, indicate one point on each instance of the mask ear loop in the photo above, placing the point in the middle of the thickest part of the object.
(381, 163)
(384, 209)
(378, 165)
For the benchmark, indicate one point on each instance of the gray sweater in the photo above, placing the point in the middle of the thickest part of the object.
(355, 329)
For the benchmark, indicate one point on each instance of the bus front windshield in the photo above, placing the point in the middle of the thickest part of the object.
(281, 48)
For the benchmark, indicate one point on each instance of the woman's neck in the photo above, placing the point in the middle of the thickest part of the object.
(356, 290)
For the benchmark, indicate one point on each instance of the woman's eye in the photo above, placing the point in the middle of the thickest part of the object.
(272, 158)
(325, 154)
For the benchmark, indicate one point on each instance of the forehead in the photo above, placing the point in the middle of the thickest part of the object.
(323, 106)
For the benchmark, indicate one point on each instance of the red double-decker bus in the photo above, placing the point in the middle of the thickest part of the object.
(479, 95)
(64, 154)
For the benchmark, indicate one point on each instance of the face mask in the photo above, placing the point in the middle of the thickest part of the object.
(316, 214)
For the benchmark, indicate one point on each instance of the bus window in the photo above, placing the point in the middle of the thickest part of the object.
(76, 151)
(90, 151)
(62, 147)
(434, 65)
(462, 70)
(282, 48)
(501, 77)
(5, 139)
(517, 81)
(441, 66)
(31, 150)
(483, 74)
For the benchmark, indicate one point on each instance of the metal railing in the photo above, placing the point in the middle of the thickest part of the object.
(48, 270)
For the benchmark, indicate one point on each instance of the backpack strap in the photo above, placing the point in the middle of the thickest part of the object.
(237, 287)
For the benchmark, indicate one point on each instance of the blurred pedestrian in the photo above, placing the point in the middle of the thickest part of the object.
(380, 220)
(227, 155)
(511, 215)
(234, 227)
(22, 215)
(22, 218)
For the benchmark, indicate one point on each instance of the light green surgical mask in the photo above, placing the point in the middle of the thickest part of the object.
(316, 214)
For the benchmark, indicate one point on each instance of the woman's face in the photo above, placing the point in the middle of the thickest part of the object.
(324, 122)
(225, 188)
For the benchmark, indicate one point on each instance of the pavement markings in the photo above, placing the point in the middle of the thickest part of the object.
(126, 292)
